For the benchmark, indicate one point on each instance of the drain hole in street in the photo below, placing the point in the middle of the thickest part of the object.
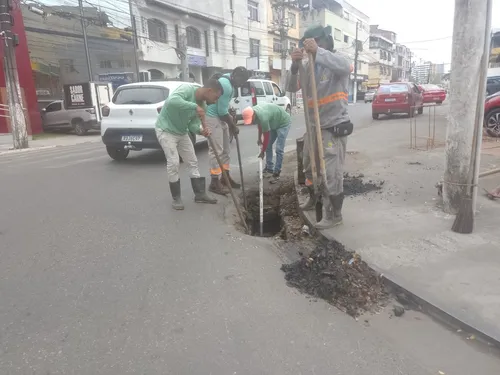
(271, 224)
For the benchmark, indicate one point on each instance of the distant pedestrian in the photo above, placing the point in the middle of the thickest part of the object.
(274, 124)
(182, 113)
(332, 73)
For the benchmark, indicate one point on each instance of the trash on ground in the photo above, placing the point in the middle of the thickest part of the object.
(398, 310)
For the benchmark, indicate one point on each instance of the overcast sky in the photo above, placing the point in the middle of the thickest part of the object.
(420, 20)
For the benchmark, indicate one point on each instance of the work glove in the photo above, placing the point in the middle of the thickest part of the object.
(234, 130)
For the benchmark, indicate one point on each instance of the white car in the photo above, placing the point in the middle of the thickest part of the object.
(258, 91)
(128, 121)
(369, 95)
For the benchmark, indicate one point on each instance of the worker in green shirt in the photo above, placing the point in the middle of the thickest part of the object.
(274, 123)
(221, 124)
(184, 112)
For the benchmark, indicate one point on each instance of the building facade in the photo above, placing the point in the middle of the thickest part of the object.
(282, 18)
(344, 19)
(402, 62)
(382, 50)
(422, 71)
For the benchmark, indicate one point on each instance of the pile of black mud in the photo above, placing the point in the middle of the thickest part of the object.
(354, 185)
(332, 273)
(281, 217)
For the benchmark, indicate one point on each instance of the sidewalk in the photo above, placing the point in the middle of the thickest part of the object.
(404, 234)
(47, 140)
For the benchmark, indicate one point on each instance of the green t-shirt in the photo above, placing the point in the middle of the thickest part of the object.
(178, 115)
(221, 108)
(271, 116)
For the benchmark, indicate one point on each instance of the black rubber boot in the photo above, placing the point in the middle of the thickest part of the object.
(200, 193)
(175, 190)
(233, 183)
(337, 203)
(310, 203)
(216, 186)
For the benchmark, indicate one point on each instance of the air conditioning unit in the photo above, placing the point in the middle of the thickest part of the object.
(145, 76)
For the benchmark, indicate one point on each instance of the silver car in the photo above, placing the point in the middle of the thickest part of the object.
(369, 96)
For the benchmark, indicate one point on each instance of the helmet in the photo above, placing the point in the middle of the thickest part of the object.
(319, 33)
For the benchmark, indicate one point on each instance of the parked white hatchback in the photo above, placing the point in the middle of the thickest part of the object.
(128, 121)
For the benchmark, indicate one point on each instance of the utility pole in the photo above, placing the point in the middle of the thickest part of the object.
(182, 53)
(85, 41)
(136, 46)
(469, 33)
(14, 97)
(356, 57)
(282, 26)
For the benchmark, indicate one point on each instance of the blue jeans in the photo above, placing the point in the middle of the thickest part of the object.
(278, 136)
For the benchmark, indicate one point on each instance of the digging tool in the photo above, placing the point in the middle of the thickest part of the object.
(226, 178)
(310, 140)
(241, 171)
(261, 197)
(317, 124)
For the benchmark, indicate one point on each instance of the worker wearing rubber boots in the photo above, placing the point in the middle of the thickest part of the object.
(221, 125)
(182, 113)
(332, 71)
(274, 124)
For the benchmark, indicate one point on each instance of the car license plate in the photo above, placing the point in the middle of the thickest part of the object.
(390, 100)
(436, 98)
(131, 138)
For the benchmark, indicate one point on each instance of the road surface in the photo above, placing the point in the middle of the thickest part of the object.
(99, 276)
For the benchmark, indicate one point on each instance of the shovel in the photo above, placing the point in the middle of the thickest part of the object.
(261, 197)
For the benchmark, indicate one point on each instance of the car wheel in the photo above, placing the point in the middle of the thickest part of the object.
(117, 153)
(79, 128)
(492, 123)
(421, 110)
(375, 116)
(289, 110)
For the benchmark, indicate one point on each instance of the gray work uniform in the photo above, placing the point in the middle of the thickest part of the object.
(332, 71)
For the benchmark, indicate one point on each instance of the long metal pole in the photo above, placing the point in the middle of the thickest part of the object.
(241, 171)
(480, 109)
(356, 57)
(136, 46)
(261, 198)
(85, 41)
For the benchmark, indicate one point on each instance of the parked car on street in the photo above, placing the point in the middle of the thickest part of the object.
(369, 95)
(258, 91)
(433, 93)
(492, 85)
(55, 116)
(396, 98)
(129, 119)
(492, 115)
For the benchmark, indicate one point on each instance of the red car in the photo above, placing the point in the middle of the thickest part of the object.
(492, 115)
(433, 94)
(397, 97)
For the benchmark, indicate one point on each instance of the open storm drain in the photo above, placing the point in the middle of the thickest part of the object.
(272, 222)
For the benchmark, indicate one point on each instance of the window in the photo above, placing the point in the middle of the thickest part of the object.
(246, 89)
(124, 64)
(157, 30)
(268, 88)
(278, 14)
(254, 47)
(277, 90)
(53, 107)
(346, 39)
(381, 69)
(105, 64)
(253, 11)
(393, 89)
(338, 34)
(216, 42)
(207, 49)
(292, 20)
(144, 26)
(257, 86)
(277, 46)
(193, 37)
(233, 40)
(141, 95)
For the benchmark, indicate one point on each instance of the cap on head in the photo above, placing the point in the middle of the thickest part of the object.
(247, 115)
(316, 32)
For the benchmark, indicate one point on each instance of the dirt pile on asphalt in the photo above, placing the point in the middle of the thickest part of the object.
(332, 273)
(354, 185)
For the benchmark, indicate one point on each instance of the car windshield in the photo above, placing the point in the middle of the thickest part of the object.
(392, 89)
(140, 95)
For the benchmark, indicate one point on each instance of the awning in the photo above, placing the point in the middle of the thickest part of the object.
(44, 68)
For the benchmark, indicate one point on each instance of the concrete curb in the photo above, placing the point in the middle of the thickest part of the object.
(37, 148)
(418, 299)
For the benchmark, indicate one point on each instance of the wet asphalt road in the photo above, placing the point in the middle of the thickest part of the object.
(99, 276)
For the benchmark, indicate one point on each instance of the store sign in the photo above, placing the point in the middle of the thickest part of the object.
(197, 60)
(77, 96)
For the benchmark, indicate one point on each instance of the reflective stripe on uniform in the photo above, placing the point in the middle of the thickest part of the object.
(308, 182)
(226, 167)
(215, 171)
(329, 99)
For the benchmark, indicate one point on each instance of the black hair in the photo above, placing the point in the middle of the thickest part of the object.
(240, 73)
(214, 84)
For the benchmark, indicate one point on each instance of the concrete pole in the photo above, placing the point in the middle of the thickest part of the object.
(184, 59)
(136, 40)
(85, 40)
(468, 43)
(356, 58)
